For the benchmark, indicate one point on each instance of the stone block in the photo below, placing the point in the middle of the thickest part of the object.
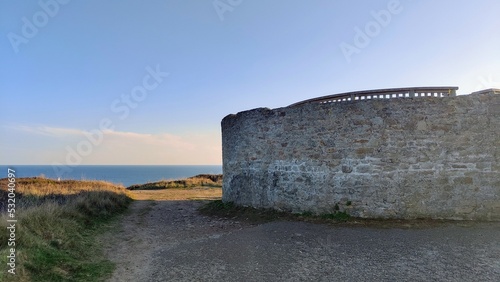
(391, 158)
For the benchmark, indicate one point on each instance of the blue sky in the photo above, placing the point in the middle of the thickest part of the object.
(66, 66)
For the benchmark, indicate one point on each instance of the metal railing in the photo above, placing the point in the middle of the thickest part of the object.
(411, 92)
(487, 91)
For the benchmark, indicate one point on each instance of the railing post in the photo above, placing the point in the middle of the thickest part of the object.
(385, 93)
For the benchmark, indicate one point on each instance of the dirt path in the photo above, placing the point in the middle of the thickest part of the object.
(168, 240)
(156, 225)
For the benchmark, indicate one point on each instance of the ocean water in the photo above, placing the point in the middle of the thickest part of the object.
(120, 174)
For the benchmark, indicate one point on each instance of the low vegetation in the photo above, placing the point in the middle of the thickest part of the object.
(222, 209)
(201, 180)
(56, 229)
(219, 208)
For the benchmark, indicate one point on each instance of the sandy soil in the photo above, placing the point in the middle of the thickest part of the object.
(177, 194)
(166, 239)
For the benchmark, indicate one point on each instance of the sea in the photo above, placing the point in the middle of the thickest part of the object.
(125, 175)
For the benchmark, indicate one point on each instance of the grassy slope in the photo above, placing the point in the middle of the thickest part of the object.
(202, 180)
(56, 228)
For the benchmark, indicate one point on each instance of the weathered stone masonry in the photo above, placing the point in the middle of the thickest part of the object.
(391, 158)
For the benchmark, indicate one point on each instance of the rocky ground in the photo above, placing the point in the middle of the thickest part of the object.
(167, 239)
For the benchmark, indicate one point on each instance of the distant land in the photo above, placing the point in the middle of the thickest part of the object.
(201, 180)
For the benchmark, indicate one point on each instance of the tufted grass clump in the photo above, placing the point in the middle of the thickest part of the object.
(56, 229)
(337, 216)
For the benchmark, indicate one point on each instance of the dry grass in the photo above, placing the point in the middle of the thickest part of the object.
(56, 228)
(202, 180)
(40, 186)
(177, 194)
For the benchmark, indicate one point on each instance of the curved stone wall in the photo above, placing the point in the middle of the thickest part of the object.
(389, 158)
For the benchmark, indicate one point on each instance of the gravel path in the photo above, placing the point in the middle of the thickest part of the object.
(170, 241)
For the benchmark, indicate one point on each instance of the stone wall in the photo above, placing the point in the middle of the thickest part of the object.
(389, 158)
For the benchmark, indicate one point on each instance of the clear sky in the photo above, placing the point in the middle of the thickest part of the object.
(148, 82)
